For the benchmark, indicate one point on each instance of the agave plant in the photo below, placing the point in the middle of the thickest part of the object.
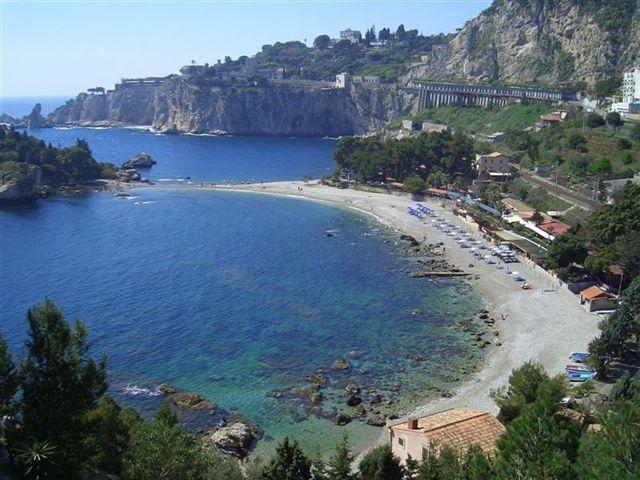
(37, 459)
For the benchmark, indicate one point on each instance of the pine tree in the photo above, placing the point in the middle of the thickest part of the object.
(289, 463)
(539, 443)
(381, 464)
(340, 465)
(613, 453)
(60, 385)
(8, 379)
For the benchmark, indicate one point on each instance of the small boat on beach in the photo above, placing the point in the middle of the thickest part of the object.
(580, 376)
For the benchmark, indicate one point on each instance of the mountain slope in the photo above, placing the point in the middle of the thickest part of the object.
(541, 41)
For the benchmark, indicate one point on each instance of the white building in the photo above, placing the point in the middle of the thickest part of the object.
(630, 93)
(494, 162)
(354, 36)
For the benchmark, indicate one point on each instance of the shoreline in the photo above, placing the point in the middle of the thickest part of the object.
(542, 325)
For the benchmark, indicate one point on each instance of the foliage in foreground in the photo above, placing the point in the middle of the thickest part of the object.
(92, 433)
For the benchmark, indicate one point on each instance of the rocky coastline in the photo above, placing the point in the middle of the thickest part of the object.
(178, 106)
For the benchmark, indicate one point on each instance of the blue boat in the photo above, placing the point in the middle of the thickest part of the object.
(580, 376)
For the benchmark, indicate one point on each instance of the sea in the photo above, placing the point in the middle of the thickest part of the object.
(236, 296)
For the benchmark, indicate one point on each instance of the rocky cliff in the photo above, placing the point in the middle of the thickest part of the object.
(546, 41)
(180, 105)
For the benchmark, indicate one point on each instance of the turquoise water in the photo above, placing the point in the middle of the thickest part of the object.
(236, 296)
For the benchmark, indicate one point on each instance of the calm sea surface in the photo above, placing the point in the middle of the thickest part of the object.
(233, 295)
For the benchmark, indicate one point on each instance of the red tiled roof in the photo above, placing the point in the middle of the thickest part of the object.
(594, 292)
(553, 227)
(459, 428)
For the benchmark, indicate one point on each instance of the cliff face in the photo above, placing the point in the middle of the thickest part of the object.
(179, 105)
(547, 41)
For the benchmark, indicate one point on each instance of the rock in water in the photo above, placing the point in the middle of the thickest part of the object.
(167, 389)
(140, 160)
(235, 439)
(191, 400)
(340, 364)
(35, 118)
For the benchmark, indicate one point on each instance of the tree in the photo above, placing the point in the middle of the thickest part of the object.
(537, 217)
(524, 384)
(164, 449)
(57, 374)
(340, 465)
(628, 253)
(477, 466)
(414, 185)
(370, 35)
(384, 35)
(635, 133)
(578, 142)
(540, 443)
(8, 379)
(111, 430)
(615, 451)
(289, 463)
(442, 464)
(594, 120)
(400, 33)
(602, 165)
(614, 119)
(38, 460)
(624, 144)
(322, 42)
(380, 464)
(565, 250)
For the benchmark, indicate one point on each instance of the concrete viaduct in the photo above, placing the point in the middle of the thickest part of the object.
(435, 94)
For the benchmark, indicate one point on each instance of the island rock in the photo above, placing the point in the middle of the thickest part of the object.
(340, 364)
(140, 160)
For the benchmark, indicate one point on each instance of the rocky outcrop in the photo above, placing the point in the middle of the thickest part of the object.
(550, 42)
(139, 160)
(191, 400)
(180, 106)
(19, 182)
(234, 439)
(35, 118)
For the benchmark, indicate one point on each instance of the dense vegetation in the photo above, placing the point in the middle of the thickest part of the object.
(325, 59)
(58, 166)
(611, 234)
(582, 145)
(435, 158)
(60, 424)
(483, 120)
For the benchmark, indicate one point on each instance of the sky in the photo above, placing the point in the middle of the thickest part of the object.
(62, 47)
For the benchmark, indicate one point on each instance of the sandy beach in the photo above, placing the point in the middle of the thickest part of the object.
(544, 324)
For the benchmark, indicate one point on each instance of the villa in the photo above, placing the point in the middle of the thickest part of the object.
(458, 428)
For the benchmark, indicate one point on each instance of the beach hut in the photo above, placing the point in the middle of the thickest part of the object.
(596, 299)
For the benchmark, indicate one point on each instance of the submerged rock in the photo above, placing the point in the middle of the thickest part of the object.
(377, 421)
(340, 364)
(353, 400)
(352, 388)
(318, 379)
(191, 400)
(342, 419)
(167, 389)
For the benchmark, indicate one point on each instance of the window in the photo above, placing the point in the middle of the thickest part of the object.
(401, 442)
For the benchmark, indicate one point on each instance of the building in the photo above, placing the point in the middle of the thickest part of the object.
(554, 228)
(494, 162)
(434, 127)
(630, 93)
(596, 299)
(458, 428)
(192, 69)
(354, 36)
(413, 125)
